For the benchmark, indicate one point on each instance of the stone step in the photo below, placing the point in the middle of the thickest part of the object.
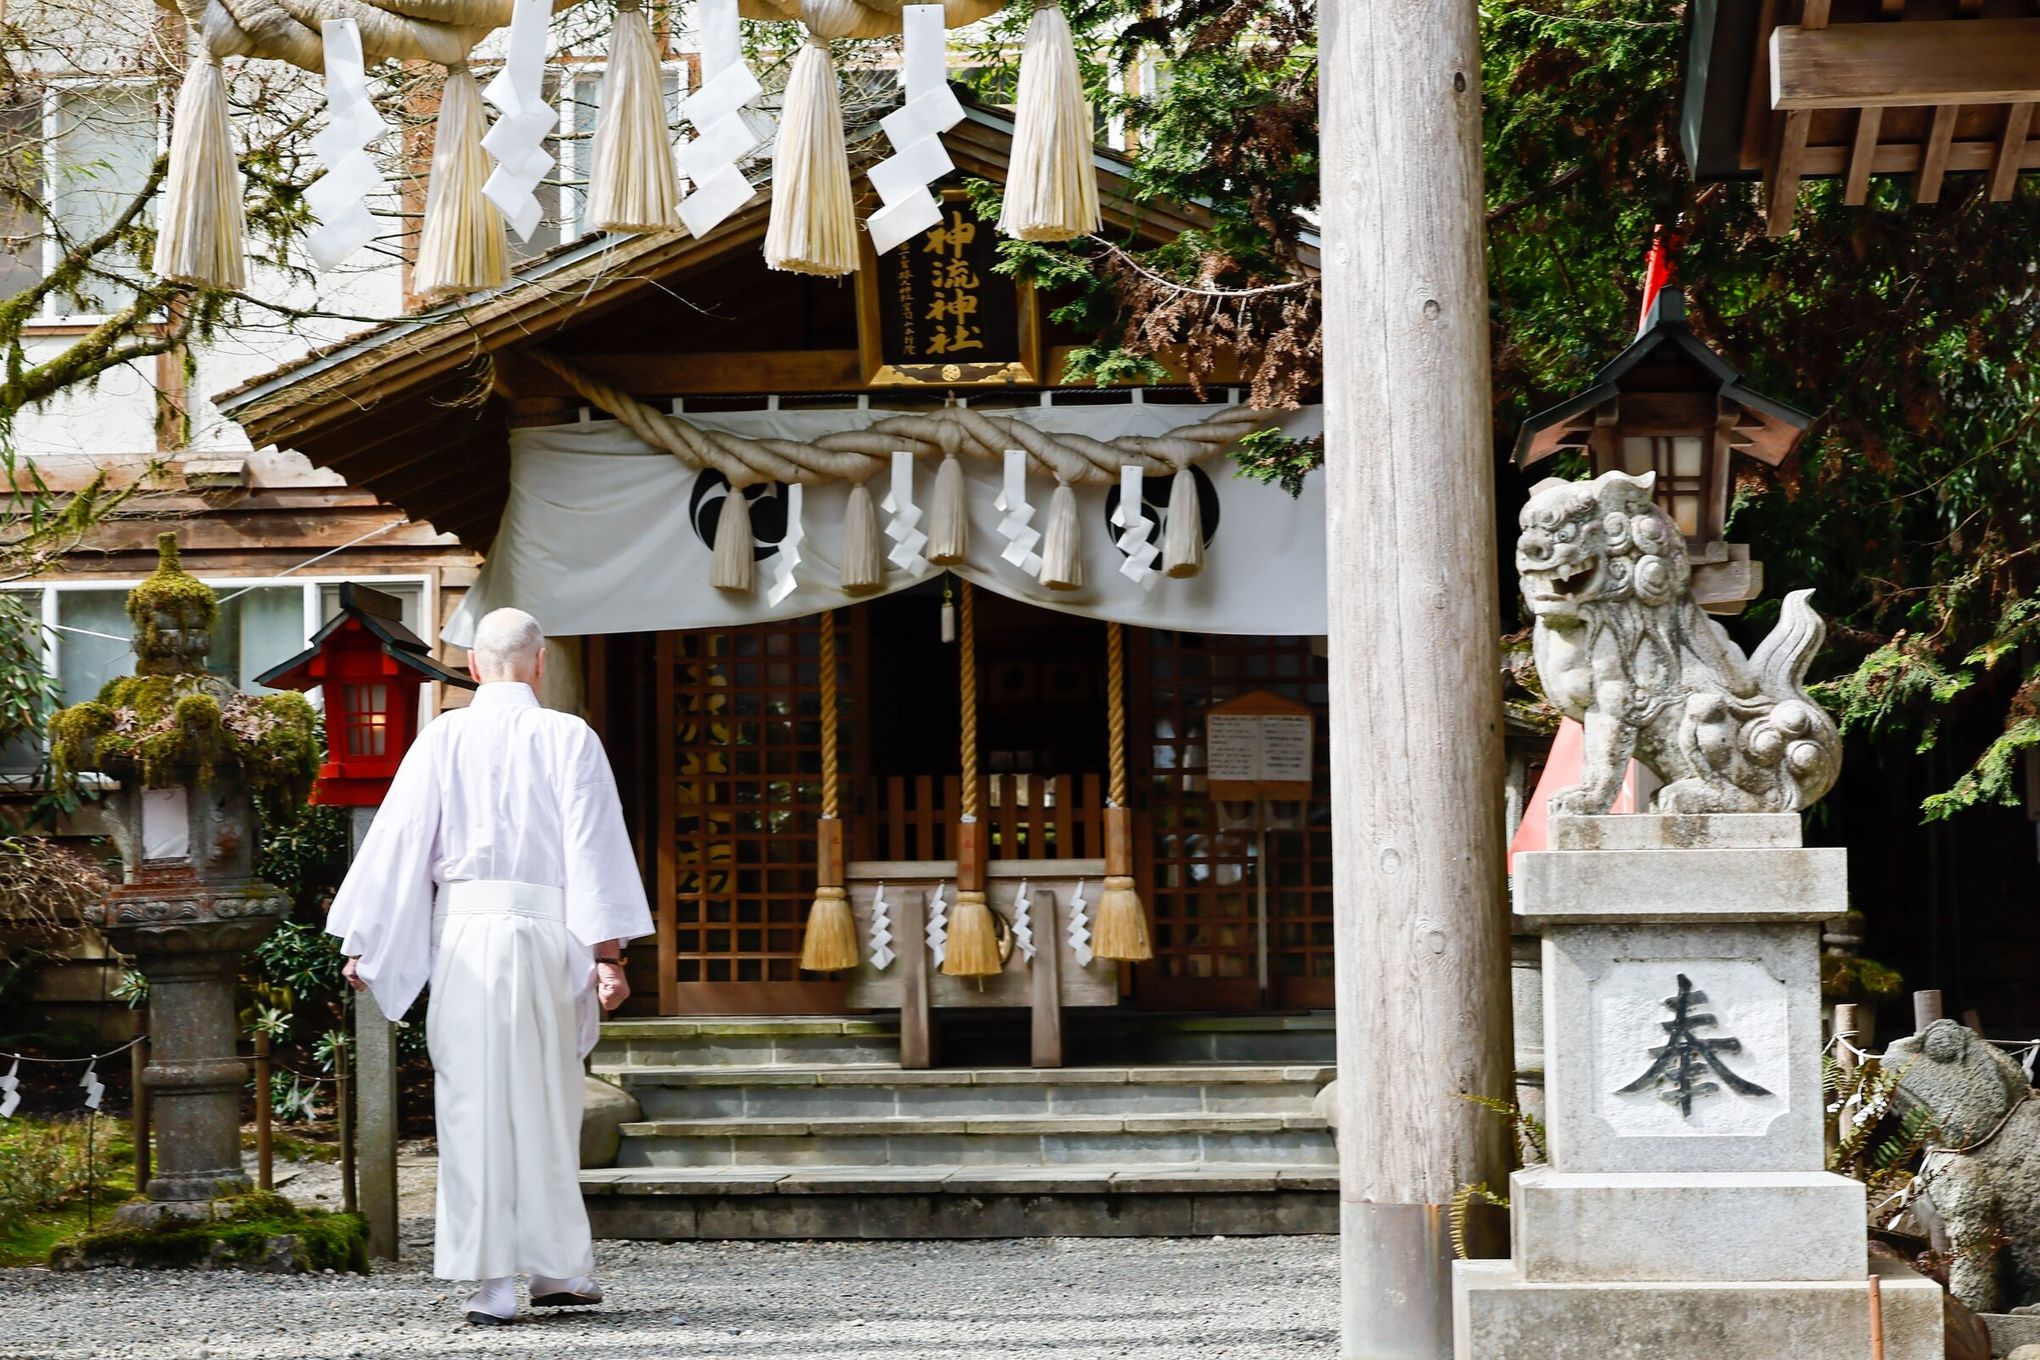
(956, 1201)
(748, 1041)
(1124, 1141)
(881, 1091)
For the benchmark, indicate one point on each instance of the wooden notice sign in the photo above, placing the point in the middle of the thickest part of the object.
(1259, 746)
(933, 310)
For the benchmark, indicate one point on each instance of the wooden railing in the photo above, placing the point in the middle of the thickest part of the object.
(1031, 816)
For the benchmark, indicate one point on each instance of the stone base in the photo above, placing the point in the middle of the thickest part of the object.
(1788, 1227)
(1498, 1316)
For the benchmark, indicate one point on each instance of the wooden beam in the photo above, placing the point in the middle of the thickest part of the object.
(1781, 178)
(1938, 62)
(1856, 181)
(676, 375)
(1934, 165)
(1814, 14)
(1904, 158)
(2011, 150)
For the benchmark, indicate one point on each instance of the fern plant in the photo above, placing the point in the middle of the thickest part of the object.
(1526, 1132)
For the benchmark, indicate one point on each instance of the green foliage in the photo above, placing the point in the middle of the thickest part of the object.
(1881, 1144)
(1461, 1211)
(1850, 977)
(302, 963)
(1273, 457)
(47, 1171)
(304, 850)
(245, 1230)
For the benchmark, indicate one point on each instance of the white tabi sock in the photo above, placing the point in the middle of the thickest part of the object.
(582, 1286)
(497, 1298)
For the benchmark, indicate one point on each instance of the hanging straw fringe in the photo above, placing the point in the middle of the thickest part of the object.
(1183, 536)
(1062, 547)
(1052, 187)
(202, 234)
(863, 564)
(1122, 931)
(632, 185)
(735, 563)
(973, 948)
(948, 516)
(463, 247)
(831, 944)
(813, 227)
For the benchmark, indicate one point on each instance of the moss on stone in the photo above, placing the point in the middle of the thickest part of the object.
(163, 729)
(173, 612)
(254, 1231)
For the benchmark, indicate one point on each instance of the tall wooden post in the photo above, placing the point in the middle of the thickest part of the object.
(1416, 716)
(375, 1104)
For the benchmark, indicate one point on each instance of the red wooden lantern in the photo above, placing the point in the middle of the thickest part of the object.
(371, 669)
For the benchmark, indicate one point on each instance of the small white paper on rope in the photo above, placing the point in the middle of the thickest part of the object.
(10, 1091)
(1139, 566)
(881, 930)
(938, 927)
(1023, 924)
(94, 1087)
(1079, 933)
(525, 119)
(915, 130)
(788, 559)
(722, 134)
(339, 198)
(1016, 528)
(908, 541)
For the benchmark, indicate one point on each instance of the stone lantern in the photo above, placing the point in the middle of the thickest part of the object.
(1670, 405)
(191, 754)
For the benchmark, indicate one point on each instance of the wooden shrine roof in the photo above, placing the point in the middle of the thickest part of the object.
(1790, 90)
(418, 410)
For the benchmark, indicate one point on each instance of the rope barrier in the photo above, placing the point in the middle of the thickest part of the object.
(97, 1057)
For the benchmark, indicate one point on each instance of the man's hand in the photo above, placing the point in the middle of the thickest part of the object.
(353, 978)
(610, 987)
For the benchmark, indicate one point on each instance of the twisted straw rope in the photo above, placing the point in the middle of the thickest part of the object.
(966, 666)
(1115, 710)
(832, 779)
(855, 455)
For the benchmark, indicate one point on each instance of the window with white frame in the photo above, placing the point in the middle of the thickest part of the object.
(74, 158)
(87, 633)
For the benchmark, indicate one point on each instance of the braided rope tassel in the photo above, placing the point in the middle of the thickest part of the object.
(973, 948)
(1122, 929)
(830, 945)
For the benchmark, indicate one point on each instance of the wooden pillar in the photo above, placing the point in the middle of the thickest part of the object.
(1416, 717)
(375, 1097)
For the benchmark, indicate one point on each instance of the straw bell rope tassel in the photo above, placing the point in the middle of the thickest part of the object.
(813, 225)
(463, 247)
(1052, 185)
(972, 949)
(734, 566)
(632, 185)
(863, 563)
(1122, 928)
(831, 943)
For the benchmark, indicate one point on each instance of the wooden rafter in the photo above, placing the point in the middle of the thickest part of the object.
(2011, 150)
(1862, 151)
(1934, 162)
(1926, 62)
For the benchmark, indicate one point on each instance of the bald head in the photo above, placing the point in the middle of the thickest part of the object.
(508, 645)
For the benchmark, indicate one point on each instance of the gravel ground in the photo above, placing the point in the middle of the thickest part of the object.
(1066, 1298)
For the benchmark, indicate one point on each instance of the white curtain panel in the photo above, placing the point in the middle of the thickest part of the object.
(605, 535)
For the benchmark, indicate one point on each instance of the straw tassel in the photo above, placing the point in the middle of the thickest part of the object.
(813, 227)
(735, 564)
(463, 247)
(1183, 536)
(831, 943)
(863, 563)
(973, 938)
(972, 945)
(1121, 931)
(202, 237)
(948, 516)
(633, 185)
(1062, 548)
(1052, 186)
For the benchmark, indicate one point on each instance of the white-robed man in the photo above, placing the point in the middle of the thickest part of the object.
(498, 869)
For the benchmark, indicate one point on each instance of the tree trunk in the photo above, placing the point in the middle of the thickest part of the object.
(1416, 713)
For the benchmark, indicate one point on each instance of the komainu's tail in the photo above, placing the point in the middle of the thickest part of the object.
(1781, 661)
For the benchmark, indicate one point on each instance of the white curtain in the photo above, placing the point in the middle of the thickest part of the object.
(605, 535)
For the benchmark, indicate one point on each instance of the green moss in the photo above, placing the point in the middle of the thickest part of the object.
(173, 613)
(166, 728)
(258, 1229)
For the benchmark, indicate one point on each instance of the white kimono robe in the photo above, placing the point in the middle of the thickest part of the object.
(495, 865)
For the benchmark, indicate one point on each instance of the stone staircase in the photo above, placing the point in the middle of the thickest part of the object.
(809, 1128)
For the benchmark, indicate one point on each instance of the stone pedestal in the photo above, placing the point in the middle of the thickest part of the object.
(1685, 1210)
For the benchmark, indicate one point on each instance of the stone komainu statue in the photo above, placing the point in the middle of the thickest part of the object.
(1621, 646)
(1983, 1174)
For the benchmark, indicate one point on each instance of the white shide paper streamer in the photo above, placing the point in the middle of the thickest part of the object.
(10, 1091)
(908, 541)
(788, 559)
(1139, 566)
(1023, 924)
(525, 119)
(881, 930)
(94, 1087)
(722, 136)
(339, 198)
(915, 130)
(1079, 933)
(938, 927)
(1016, 528)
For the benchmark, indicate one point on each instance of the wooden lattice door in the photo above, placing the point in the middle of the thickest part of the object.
(740, 795)
(1203, 881)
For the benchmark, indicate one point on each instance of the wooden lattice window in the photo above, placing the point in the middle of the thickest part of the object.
(745, 795)
(1201, 878)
